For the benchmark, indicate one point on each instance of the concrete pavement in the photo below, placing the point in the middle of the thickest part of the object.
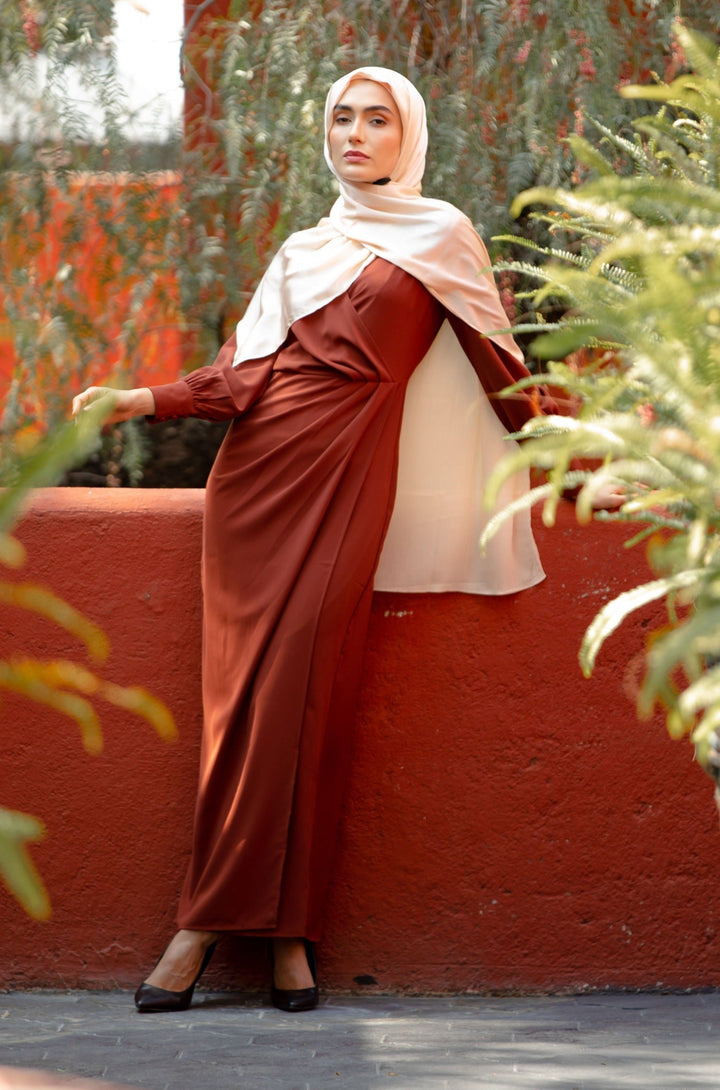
(588, 1042)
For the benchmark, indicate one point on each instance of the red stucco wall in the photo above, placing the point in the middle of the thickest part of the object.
(509, 825)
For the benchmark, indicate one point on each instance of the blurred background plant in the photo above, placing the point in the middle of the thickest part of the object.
(132, 259)
(632, 266)
(67, 686)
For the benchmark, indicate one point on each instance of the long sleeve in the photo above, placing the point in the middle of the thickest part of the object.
(496, 370)
(218, 392)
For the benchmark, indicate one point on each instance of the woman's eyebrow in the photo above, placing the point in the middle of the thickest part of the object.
(366, 110)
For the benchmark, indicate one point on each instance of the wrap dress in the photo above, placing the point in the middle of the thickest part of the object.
(297, 505)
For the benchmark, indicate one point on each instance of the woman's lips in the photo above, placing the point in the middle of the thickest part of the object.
(355, 156)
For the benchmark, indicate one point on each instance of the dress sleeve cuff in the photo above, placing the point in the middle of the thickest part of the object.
(172, 400)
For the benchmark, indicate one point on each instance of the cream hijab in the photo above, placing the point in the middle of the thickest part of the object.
(450, 438)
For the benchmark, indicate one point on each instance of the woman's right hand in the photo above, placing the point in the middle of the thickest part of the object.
(121, 404)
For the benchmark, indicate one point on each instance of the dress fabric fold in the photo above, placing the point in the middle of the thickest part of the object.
(297, 506)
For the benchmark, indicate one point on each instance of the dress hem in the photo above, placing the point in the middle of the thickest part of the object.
(464, 588)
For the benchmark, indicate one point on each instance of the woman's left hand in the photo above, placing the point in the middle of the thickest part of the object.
(608, 496)
(121, 404)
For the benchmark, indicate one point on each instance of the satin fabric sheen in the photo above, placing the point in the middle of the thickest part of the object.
(439, 515)
(352, 376)
(297, 506)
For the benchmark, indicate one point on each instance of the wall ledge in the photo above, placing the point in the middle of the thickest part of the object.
(509, 826)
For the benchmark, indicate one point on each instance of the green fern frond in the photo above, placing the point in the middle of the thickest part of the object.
(633, 149)
(38, 599)
(612, 615)
(652, 414)
(523, 503)
(17, 870)
(546, 251)
(587, 154)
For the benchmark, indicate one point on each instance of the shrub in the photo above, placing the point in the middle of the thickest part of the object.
(634, 267)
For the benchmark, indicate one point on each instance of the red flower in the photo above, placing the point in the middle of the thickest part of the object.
(31, 28)
(346, 33)
(523, 53)
(647, 414)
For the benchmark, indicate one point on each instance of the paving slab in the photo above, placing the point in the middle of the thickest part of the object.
(587, 1042)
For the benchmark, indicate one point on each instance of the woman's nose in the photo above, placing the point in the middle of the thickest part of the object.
(356, 130)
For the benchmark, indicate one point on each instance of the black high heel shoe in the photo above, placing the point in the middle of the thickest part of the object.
(295, 1000)
(152, 1000)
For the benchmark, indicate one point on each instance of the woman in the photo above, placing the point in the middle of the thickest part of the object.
(299, 504)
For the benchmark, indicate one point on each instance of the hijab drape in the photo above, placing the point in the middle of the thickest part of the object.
(450, 437)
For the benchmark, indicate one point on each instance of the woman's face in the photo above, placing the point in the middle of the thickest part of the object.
(365, 133)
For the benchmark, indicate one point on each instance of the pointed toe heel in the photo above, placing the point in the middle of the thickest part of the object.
(295, 1000)
(152, 1000)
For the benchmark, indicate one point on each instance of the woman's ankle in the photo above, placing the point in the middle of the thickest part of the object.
(181, 960)
(290, 964)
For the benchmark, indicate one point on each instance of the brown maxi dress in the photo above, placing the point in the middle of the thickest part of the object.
(297, 506)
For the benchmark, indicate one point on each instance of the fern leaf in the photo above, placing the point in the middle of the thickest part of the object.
(140, 702)
(29, 679)
(523, 503)
(589, 155)
(12, 552)
(614, 613)
(17, 870)
(40, 600)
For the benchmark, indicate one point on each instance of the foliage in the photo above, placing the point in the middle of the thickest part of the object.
(88, 290)
(505, 82)
(123, 272)
(66, 686)
(634, 265)
(59, 283)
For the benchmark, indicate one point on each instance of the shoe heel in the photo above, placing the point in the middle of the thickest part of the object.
(295, 1000)
(152, 1000)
